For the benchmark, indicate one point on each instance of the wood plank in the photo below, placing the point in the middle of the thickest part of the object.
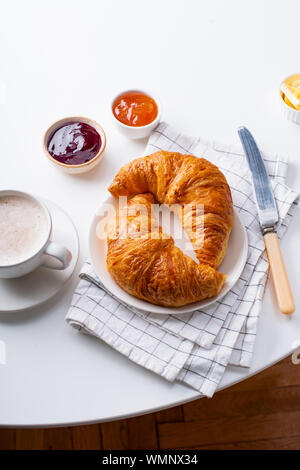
(142, 433)
(58, 438)
(282, 374)
(244, 403)
(115, 435)
(170, 415)
(86, 437)
(226, 430)
(30, 439)
(285, 443)
(7, 439)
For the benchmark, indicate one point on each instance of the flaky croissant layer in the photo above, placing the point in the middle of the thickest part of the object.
(177, 180)
(149, 266)
(145, 262)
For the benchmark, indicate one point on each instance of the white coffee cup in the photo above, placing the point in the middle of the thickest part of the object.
(44, 247)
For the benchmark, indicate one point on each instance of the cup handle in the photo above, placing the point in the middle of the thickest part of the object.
(59, 252)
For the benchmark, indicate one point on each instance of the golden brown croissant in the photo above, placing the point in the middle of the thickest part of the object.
(177, 179)
(145, 262)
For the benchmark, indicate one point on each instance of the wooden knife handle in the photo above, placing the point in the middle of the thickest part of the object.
(281, 283)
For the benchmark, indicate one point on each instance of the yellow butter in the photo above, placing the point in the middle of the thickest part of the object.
(291, 90)
(288, 102)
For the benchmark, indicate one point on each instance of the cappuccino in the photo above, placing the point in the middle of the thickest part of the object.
(23, 229)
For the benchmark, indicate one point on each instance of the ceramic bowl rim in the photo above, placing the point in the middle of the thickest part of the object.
(93, 123)
(136, 128)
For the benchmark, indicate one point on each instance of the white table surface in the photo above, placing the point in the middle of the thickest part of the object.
(215, 65)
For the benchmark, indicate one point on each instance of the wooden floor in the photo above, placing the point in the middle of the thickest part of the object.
(260, 413)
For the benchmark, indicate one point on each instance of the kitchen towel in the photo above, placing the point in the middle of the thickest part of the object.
(196, 347)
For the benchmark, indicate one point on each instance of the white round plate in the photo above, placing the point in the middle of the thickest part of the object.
(43, 283)
(232, 265)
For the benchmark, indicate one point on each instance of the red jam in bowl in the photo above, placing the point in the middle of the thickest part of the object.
(74, 143)
(135, 108)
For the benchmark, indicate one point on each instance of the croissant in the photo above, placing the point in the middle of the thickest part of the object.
(146, 263)
(185, 183)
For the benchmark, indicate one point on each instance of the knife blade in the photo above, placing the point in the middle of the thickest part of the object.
(268, 218)
(266, 205)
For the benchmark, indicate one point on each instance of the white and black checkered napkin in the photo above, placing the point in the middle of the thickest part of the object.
(195, 347)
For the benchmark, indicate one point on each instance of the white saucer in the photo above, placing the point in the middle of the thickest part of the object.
(43, 283)
(232, 265)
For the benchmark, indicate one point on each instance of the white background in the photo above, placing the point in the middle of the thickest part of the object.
(215, 65)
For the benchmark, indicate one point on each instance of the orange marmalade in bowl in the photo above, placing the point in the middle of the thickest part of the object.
(135, 108)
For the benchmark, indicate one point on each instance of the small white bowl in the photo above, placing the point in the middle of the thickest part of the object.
(290, 113)
(83, 167)
(138, 132)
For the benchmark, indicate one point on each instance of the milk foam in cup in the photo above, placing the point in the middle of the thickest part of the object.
(25, 229)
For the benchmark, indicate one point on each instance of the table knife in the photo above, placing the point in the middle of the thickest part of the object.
(268, 218)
